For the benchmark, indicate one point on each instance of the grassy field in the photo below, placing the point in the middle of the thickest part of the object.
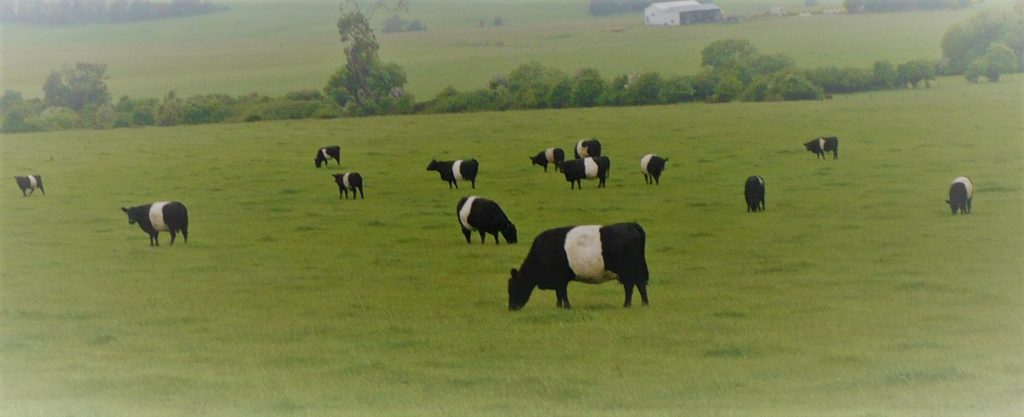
(854, 294)
(274, 47)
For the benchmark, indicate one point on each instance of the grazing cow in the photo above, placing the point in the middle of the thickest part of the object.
(349, 181)
(753, 191)
(154, 218)
(485, 216)
(587, 147)
(588, 254)
(824, 144)
(326, 153)
(30, 183)
(453, 171)
(549, 155)
(651, 166)
(589, 168)
(961, 192)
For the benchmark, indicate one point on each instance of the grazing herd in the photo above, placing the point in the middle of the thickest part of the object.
(590, 254)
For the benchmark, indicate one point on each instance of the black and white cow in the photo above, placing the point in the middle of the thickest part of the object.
(453, 171)
(160, 216)
(577, 170)
(651, 166)
(588, 254)
(349, 181)
(549, 155)
(587, 147)
(824, 144)
(326, 153)
(961, 192)
(484, 216)
(753, 192)
(30, 183)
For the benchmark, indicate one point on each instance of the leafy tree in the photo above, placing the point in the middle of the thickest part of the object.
(998, 60)
(728, 53)
(364, 79)
(885, 75)
(83, 85)
(967, 41)
(913, 72)
(587, 88)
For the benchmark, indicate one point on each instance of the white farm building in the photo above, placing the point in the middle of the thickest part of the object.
(674, 13)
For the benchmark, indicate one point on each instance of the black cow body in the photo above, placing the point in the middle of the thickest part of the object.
(577, 170)
(30, 183)
(587, 147)
(549, 156)
(323, 155)
(823, 144)
(651, 166)
(349, 181)
(484, 216)
(961, 192)
(589, 254)
(160, 216)
(453, 171)
(753, 192)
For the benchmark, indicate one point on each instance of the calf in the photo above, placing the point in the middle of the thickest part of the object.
(453, 171)
(587, 147)
(549, 155)
(589, 168)
(651, 166)
(961, 192)
(326, 153)
(30, 183)
(588, 254)
(753, 191)
(349, 181)
(484, 216)
(824, 144)
(154, 218)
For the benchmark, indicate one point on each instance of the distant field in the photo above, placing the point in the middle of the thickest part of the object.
(276, 47)
(855, 294)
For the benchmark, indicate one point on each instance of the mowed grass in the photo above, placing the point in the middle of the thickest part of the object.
(274, 47)
(854, 294)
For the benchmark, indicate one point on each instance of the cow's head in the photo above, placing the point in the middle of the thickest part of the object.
(812, 146)
(432, 166)
(133, 214)
(518, 291)
(319, 160)
(539, 159)
(510, 234)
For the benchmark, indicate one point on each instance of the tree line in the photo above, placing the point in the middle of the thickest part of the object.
(985, 46)
(71, 12)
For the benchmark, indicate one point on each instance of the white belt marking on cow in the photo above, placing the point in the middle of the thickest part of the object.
(32, 182)
(344, 180)
(644, 162)
(821, 144)
(457, 169)
(580, 150)
(590, 167)
(549, 153)
(323, 151)
(759, 180)
(464, 213)
(967, 183)
(583, 251)
(156, 216)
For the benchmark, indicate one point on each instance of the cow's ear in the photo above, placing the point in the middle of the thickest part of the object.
(124, 209)
(947, 201)
(515, 274)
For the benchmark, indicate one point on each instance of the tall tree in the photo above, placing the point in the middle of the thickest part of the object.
(361, 59)
(79, 87)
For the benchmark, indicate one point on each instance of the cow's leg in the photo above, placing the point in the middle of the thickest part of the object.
(174, 234)
(453, 182)
(466, 232)
(361, 196)
(496, 238)
(483, 237)
(643, 293)
(657, 181)
(628, 286)
(563, 297)
(154, 239)
(184, 233)
(473, 181)
(968, 209)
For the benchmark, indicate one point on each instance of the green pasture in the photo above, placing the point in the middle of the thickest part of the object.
(855, 294)
(273, 47)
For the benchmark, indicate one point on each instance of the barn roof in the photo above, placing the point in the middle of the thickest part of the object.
(683, 6)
